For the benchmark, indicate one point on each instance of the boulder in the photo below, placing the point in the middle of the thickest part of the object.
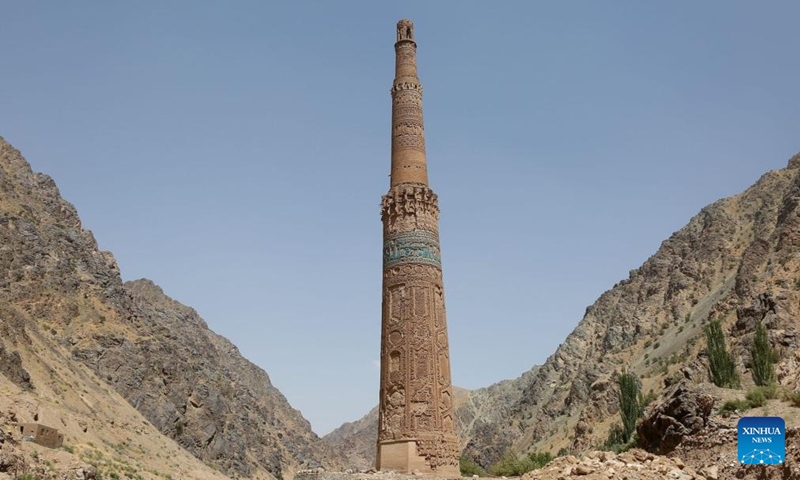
(683, 412)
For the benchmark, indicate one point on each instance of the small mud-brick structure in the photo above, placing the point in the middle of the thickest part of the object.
(42, 434)
(416, 427)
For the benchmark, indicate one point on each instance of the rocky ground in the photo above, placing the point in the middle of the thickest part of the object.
(634, 464)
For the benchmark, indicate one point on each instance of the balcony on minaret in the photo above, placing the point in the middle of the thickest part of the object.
(405, 30)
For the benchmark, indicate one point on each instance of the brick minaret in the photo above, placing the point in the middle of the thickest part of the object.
(416, 427)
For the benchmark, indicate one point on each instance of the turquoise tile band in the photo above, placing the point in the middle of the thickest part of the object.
(415, 246)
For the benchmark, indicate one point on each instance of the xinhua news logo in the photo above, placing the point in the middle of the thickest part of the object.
(762, 440)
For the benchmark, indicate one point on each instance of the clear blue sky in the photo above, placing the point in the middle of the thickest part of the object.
(235, 153)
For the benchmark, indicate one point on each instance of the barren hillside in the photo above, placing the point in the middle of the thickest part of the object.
(63, 308)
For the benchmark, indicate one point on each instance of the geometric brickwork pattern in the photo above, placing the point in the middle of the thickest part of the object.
(416, 415)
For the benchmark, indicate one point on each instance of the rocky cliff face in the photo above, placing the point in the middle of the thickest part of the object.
(60, 294)
(738, 260)
(195, 387)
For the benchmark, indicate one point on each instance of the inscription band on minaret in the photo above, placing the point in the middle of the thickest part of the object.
(416, 426)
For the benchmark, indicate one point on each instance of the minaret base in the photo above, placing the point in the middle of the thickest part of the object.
(403, 456)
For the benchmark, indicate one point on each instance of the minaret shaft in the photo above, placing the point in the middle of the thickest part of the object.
(408, 129)
(416, 428)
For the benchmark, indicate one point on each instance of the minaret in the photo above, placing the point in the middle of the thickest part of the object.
(416, 426)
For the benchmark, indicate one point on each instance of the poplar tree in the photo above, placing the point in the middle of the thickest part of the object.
(720, 361)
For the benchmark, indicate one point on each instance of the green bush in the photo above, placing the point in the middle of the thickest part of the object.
(470, 467)
(763, 357)
(733, 405)
(512, 466)
(721, 364)
(509, 465)
(756, 398)
(616, 441)
(648, 399)
(793, 398)
(769, 391)
(539, 460)
(616, 436)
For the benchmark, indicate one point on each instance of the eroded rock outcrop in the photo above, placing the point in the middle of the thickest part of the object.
(683, 412)
(11, 368)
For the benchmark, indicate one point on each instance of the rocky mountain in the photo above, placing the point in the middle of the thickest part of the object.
(139, 385)
(737, 261)
(69, 328)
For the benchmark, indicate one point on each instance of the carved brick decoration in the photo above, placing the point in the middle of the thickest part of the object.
(416, 428)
